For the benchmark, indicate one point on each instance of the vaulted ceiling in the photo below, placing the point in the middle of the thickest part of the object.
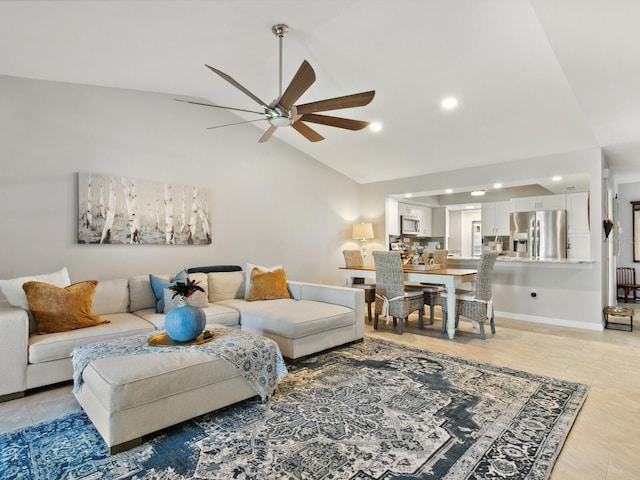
(532, 77)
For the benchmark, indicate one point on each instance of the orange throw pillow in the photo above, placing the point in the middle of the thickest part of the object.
(61, 309)
(268, 285)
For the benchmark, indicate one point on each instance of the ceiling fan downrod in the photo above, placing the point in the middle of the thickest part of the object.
(280, 30)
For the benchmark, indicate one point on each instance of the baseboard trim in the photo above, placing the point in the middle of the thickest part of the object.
(558, 322)
(11, 396)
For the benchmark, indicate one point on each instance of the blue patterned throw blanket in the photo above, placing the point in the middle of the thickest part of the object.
(257, 358)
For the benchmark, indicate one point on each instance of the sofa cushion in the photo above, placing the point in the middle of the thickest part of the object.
(128, 381)
(249, 269)
(159, 283)
(291, 318)
(54, 346)
(268, 285)
(140, 293)
(215, 313)
(12, 289)
(226, 286)
(214, 268)
(61, 309)
(112, 296)
(202, 280)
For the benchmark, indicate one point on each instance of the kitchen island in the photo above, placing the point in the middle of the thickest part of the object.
(562, 292)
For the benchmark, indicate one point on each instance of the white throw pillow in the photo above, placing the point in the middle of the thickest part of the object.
(198, 299)
(226, 285)
(249, 269)
(12, 289)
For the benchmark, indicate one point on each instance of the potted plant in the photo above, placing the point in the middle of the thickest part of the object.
(185, 290)
(185, 322)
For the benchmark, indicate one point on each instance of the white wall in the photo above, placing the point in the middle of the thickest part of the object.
(270, 204)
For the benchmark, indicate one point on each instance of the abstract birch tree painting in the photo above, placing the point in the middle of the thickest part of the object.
(118, 209)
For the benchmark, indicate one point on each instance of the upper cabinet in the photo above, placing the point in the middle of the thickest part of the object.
(495, 218)
(392, 216)
(578, 212)
(545, 202)
(409, 209)
(439, 221)
(425, 226)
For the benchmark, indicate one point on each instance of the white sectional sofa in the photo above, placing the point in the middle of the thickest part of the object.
(317, 317)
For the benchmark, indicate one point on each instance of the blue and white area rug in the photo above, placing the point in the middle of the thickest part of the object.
(374, 410)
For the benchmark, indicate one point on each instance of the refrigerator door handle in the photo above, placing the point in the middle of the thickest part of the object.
(538, 238)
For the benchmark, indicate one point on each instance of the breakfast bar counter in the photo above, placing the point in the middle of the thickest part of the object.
(562, 292)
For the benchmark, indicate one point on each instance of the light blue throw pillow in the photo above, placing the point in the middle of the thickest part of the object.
(158, 284)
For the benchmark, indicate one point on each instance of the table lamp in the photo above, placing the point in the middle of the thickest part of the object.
(362, 232)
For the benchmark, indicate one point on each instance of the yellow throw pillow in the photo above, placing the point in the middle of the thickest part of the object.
(61, 309)
(268, 285)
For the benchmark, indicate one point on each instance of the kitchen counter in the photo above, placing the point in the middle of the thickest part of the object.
(524, 260)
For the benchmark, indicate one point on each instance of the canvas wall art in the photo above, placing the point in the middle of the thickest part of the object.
(121, 210)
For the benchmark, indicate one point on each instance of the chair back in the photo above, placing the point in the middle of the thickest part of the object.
(439, 256)
(484, 275)
(389, 275)
(625, 276)
(353, 258)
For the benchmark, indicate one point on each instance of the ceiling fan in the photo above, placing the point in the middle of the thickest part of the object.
(283, 113)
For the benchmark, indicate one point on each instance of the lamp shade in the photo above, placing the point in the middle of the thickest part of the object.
(362, 231)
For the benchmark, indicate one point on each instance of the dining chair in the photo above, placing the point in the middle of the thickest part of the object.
(353, 258)
(476, 305)
(391, 298)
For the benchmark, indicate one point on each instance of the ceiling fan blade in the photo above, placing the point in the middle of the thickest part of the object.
(267, 134)
(348, 101)
(334, 121)
(236, 123)
(308, 132)
(303, 79)
(218, 106)
(237, 85)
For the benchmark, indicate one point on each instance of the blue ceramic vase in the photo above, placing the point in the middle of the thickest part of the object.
(185, 322)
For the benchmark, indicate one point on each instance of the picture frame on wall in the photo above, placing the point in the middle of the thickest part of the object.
(116, 209)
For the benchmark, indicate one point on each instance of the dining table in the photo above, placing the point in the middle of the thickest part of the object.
(450, 278)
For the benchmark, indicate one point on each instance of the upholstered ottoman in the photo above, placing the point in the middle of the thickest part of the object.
(129, 396)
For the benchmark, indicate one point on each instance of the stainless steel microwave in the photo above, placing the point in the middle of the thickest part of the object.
(409, 225)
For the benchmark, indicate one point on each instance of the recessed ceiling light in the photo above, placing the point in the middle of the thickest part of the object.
(469, 207)
(375, 126)
(557, 178)
(497, 185)
(477, 193)
(449, 103)
(449, 190)
(408, 195)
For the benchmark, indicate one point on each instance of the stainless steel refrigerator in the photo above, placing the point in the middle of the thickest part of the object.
(539, 234)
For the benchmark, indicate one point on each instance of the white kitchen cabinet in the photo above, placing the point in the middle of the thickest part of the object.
(392, 216)
(439, 221)
(495, 218)
(578, 212)
(544, 202)
(409, 209)
(425, 223)
(579, 246)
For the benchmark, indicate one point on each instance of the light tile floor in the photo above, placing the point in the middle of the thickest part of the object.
(604, 443)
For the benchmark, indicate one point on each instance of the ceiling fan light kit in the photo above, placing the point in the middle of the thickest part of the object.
(283, 112)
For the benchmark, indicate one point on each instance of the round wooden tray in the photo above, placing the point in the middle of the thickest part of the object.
(163, 340)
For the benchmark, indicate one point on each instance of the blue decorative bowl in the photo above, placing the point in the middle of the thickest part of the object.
(184, 323)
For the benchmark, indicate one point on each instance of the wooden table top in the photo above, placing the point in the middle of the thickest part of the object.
(436, 270)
